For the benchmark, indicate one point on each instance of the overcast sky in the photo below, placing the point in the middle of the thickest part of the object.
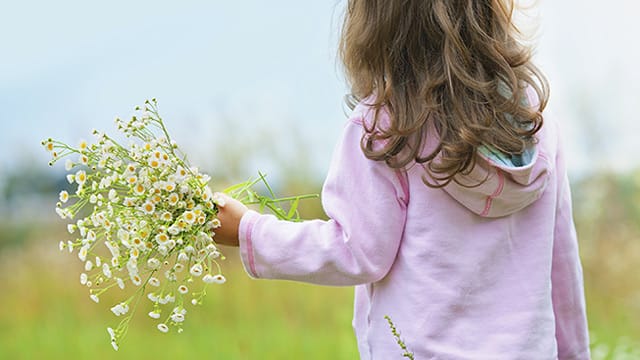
(69, 66)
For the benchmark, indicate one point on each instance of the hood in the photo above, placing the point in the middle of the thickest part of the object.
(499, 184)
(511, 183)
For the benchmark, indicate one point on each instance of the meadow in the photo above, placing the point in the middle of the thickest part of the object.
(46, 314)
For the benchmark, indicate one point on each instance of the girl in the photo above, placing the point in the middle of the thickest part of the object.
(447, 195)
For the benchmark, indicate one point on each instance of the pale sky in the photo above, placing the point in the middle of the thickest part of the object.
(69, 66)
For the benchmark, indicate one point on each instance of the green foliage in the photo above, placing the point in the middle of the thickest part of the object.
(247, 194)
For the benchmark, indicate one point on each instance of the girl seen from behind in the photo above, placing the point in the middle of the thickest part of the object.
(448, 200)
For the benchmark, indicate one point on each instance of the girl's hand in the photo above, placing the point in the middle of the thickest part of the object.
(229, 215)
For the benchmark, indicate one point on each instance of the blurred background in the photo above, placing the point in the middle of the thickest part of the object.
(254, 85)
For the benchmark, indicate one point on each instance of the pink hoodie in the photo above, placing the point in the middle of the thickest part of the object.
(488, 272)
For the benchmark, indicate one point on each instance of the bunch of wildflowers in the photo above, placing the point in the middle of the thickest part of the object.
(143, 218)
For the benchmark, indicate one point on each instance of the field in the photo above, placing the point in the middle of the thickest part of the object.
(46, 314)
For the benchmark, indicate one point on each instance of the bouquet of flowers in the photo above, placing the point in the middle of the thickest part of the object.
(144, 218)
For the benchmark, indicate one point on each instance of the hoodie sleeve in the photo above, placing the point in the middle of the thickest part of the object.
(572, 333)
(365, 201)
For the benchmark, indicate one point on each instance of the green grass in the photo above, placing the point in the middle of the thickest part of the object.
(44, 314)
(266, 329)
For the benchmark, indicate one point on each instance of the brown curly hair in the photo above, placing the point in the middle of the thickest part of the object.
(458, 65)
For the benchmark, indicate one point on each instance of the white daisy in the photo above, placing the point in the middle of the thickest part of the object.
(136, 280)
(214, 279)
(68, 165)
(106, 270)
(196, 270)
(153, 263)
(163, 328)
(177, 317)
(183, 257)
(170, 275)
(82, 254)
(148, 207)
(112, 333)
(155, 314)
(189, 217)
(113, 195)
(81, 177)
(162, 238)
(120, 283)
(83, 279)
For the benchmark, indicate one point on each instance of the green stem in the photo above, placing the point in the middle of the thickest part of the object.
(396, 335)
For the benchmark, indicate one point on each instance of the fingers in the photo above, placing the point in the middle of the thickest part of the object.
(220, 199)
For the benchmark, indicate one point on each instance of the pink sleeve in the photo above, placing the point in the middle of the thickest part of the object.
(366, 203)
(572, 332)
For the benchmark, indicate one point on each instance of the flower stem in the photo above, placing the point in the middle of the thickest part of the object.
(396, 335)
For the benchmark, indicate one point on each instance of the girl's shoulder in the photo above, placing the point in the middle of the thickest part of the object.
(369, 114)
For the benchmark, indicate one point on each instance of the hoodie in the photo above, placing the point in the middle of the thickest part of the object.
(482, 272)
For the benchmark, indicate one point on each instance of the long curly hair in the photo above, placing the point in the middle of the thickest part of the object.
(457, 65)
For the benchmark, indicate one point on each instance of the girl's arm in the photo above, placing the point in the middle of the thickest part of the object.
(366, 203)
(572, 333)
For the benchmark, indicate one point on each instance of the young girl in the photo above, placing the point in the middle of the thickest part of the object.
(448, 197)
